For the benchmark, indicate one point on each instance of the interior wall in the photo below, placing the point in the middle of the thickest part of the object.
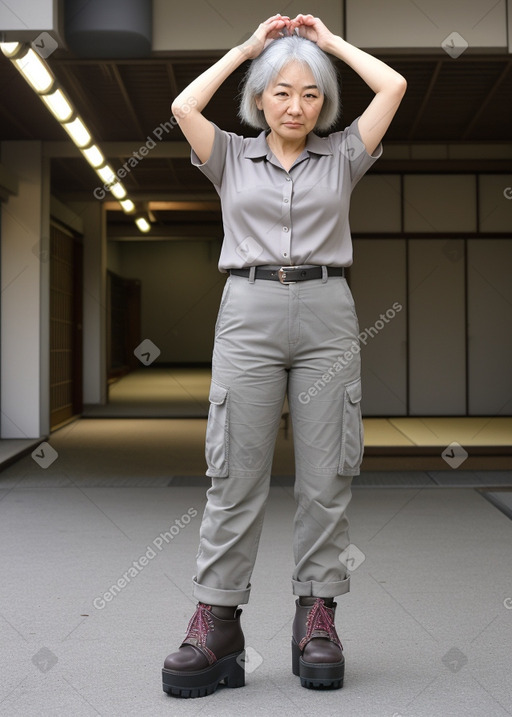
(449, 350)
(378, 280)
(24, 295)
(433, 304)
(180, 295)
(114, 257)
(226, 23)
(456, 25)
(490, 326)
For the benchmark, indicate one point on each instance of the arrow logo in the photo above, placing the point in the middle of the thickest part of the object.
(45, 659)
(352, 557)
(147, 352)
(44, 45)
(44, 455)
(454, 455)
(454, 45)
(455, 659)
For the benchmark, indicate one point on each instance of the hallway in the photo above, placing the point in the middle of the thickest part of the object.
(427, 626)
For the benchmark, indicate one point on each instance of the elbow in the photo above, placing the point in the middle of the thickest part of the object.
(175, 107)
(401, 85)
(180, 107)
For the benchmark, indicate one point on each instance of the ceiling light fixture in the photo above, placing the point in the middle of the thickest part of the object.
(143, 224)
(58, 105)
(94, 156)
(35, 71)
(106, 173)
(78, 132)
(118, 190)
(128, 206)
(10, 49)
(39, 76)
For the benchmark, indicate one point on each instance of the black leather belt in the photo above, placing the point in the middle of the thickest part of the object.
(289, 274)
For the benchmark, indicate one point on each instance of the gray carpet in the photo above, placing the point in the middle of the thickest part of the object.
(427, 626)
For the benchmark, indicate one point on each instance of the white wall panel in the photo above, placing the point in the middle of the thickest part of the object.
(199, 25)
(440, 203)
(178, 313)
(495, 195)
(437, 331)
(425, 24)
(375, 204)
(490, 326)
(24, 278)
(378, 283)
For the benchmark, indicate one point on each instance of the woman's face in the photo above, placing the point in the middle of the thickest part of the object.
(292, 102)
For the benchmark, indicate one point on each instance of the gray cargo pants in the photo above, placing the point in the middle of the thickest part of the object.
(270, 339)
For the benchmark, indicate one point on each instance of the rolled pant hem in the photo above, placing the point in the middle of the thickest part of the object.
(218, 596)
(312, 588)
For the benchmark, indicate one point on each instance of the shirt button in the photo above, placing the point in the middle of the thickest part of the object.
(288, 179)
(286, 201)
(285, 229)
(284, 253)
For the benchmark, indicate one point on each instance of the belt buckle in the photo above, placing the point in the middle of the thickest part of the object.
(282, 274)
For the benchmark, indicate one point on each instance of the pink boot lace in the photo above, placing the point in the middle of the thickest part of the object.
(198, 628)
(320, 623)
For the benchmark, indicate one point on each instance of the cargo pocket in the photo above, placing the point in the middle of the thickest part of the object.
(217, 432)
(352, 440)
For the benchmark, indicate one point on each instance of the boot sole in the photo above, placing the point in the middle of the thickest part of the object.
(317, 675)
(203, 682)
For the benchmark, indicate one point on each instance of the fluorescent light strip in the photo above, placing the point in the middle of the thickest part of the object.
(143, 224)
(39, 77)
(58, 105)
(118, 190)
(93, 156)
(10, 48)
(128, 206)
(78, 132)
(106, 173)
(34, 71)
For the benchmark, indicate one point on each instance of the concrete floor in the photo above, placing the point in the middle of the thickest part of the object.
(427, 627)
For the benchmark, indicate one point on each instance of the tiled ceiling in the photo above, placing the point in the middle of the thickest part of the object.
(448, 100)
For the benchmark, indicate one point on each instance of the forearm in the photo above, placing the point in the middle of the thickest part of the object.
(377, 75)
(200, 91)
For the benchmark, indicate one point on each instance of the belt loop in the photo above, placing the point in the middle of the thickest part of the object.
(325, 275)
(252, 274)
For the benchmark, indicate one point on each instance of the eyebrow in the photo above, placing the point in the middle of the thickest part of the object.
(306, 87)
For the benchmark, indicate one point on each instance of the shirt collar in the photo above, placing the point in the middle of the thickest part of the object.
(256, 147)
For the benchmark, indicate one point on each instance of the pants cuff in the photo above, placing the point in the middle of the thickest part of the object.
(216, 596)
(312, 588)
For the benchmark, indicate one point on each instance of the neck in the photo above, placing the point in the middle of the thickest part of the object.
(283, 146)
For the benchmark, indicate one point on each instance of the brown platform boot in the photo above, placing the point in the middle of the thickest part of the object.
(212, 651)
(317, 653)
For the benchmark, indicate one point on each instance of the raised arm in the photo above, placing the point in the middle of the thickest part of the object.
(188, 106)
(389, 86)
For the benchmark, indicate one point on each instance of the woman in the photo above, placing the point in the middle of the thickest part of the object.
(286, 325)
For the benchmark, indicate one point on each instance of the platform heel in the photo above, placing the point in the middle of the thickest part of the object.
(317, 653)
(212, 652)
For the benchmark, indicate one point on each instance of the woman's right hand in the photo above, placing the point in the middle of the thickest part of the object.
(267, 31)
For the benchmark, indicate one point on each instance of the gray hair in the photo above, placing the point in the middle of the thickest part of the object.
(265, 68)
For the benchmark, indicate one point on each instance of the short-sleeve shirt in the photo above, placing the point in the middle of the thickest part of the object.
(288, 218)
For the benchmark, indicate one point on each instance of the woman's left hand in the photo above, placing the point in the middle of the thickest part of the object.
(312, 28)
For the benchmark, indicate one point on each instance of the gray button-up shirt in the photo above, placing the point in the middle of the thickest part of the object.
(272, 216)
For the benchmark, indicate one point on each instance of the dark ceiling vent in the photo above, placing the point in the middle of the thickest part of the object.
(109, 28)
